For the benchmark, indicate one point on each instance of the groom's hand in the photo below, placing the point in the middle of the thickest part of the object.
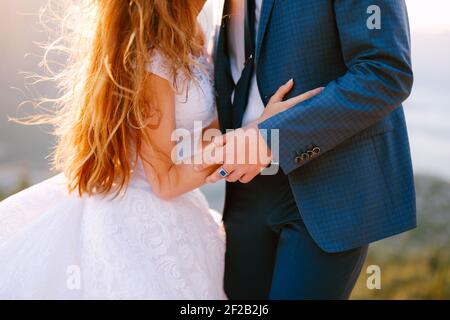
(243, 154)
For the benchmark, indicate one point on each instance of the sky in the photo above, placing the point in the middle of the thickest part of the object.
(429, 16)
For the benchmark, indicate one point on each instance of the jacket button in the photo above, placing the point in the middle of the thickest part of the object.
(298, 159)
(316, 150)
(305, 157)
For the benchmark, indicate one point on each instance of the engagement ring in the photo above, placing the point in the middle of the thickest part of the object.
(224, 173)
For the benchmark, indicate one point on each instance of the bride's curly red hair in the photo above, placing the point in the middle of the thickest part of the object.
(102, 114)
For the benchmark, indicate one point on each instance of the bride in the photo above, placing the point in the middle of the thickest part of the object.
(123, 220)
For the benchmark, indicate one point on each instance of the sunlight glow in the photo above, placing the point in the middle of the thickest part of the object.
(429, 15)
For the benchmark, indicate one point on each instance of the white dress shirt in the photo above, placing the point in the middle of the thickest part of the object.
(236, 45)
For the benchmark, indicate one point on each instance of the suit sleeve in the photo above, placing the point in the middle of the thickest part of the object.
(378, 79)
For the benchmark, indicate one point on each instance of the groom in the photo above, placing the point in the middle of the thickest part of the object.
(346, 178)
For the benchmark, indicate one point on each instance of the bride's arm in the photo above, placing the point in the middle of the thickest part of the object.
(168, 180)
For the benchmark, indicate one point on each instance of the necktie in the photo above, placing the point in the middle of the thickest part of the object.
(231, 113)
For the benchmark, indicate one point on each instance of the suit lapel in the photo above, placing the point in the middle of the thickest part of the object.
(266, 10)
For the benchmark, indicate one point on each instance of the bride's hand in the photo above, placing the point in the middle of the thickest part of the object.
(277, 105)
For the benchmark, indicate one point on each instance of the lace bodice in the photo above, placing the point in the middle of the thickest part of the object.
(194, 100)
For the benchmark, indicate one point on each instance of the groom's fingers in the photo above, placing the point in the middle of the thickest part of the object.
(216, 176)
(236, 175)
(248, 177)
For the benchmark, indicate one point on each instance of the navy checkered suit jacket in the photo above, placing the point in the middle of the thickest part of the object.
(346, 151)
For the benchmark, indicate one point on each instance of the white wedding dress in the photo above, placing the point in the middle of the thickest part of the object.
(59, 246)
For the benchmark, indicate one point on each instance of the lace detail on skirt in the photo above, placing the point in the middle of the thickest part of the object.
(133, 247)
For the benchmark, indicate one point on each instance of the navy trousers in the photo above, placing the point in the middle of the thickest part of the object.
(270, 254)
